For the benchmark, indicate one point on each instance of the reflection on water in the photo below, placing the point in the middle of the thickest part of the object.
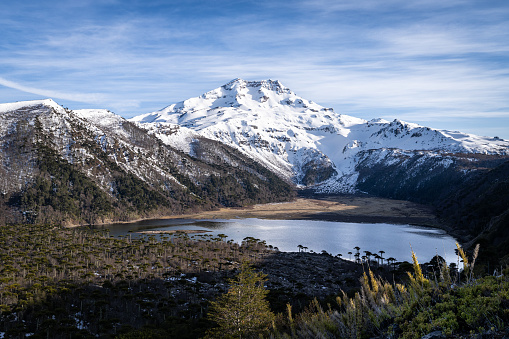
(209, 224)
(334, 237)
(124, 228)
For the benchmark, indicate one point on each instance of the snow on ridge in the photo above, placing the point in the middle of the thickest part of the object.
(7, 107)
(100, 117)
(243, 95)
(273, 85)
(378, 121)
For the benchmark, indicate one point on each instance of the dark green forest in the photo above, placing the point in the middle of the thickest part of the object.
(474, 208)
(110, 183)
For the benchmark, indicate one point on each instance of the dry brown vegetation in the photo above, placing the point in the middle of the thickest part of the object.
(340, 208)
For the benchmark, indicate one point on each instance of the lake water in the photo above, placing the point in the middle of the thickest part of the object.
(333, 237)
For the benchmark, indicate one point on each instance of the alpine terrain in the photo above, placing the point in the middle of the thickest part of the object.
(243, 143)
(317, 148)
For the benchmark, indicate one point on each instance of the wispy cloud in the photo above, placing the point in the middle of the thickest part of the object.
(377, 6)
(430, 59)
(90, 97)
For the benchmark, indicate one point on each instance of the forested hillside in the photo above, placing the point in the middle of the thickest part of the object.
(478, 210)
(57, 166)
(470, 194)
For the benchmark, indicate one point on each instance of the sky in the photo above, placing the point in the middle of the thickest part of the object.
(442, 64)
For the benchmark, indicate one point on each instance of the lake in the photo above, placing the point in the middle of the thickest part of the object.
(333, 237)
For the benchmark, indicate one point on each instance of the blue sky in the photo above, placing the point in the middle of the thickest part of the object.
(443, 64)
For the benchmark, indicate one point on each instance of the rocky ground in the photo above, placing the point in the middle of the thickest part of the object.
(310, 273)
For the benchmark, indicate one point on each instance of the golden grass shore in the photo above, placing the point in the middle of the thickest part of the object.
(332, 208)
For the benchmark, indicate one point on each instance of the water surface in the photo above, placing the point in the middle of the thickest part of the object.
(334, 237)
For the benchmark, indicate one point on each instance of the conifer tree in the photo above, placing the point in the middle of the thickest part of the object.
(243, 312)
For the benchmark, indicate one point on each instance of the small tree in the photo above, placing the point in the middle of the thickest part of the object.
(243, 312)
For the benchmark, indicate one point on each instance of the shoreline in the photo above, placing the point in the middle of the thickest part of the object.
(348, 209)
(330, 208)
(326, 208)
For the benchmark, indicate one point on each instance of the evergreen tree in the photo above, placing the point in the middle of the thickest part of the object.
(243, 312)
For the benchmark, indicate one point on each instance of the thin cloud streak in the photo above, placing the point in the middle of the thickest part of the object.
(375, 5)
(89, 98)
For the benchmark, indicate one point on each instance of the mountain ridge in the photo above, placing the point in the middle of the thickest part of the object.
(242, 143)
(297, 137)
(89, 166)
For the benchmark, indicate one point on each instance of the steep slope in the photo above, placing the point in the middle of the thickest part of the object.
(315, 147)
(477, 212)
(86, 166)
(243, 114)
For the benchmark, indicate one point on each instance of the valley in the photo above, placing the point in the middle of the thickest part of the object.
(256, 151)
(232, 150)
(254, 169)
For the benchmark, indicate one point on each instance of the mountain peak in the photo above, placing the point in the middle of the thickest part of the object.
(294, 136)
(271, 85)
(236, 98)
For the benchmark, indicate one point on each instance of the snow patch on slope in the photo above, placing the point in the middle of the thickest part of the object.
(100, 117)
(178, 137)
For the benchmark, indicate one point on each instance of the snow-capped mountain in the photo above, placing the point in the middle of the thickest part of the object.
(305, 142)
(231, 147)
